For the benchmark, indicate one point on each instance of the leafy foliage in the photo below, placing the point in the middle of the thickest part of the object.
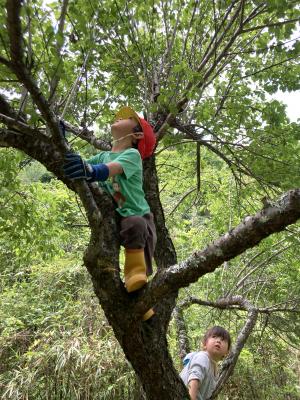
(35, 218)
(55, 339)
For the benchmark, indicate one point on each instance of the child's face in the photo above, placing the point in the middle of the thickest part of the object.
(123, 127)
(216, 347)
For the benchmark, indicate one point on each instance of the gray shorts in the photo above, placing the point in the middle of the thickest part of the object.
(139, 233)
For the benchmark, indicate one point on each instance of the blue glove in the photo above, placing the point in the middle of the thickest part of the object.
(76, 168)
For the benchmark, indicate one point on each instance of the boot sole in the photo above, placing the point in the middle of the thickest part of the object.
(148, 314)
(135, 283)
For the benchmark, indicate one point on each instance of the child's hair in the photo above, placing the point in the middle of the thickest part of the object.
(137, 128)
(217, 331)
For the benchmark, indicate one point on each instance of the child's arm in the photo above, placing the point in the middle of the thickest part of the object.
(76, 168)
(193, 388)
(197, 374)
(115, 168)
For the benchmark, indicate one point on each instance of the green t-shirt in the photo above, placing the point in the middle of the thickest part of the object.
(126, 188)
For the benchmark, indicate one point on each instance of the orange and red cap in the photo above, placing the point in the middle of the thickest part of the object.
(147, 143)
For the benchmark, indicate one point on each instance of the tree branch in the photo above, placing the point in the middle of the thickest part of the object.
(75, 86)
(182, 336)
(269, 67)
(55, 79)
(246, 235)
(182, 102)
(20, 126)
(237, 302)
(241, 282)
(280, 23)
(7, 110)
(88, 136)
(19, 68)
(191, 133)
(209, 52)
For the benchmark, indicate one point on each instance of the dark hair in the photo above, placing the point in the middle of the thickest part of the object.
(137, 128)
(218, 331)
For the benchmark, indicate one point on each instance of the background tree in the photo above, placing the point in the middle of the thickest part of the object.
(200, 71)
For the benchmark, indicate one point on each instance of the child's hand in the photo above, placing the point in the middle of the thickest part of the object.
(76, 168)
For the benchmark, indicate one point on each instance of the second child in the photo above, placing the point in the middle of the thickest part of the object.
(200, 367)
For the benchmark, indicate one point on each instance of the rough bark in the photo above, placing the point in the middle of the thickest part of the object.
(274, 218)
(182, 335)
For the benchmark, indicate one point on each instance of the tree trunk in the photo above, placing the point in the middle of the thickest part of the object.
(144, 343)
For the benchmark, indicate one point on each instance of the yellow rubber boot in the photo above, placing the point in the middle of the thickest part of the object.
(148, 314)
(134, 269)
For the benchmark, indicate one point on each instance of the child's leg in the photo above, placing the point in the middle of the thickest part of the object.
(133, 234)
(139, 233)
(139, 238)
(134, 269)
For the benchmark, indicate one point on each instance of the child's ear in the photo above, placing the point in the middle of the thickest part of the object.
(138, 135)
